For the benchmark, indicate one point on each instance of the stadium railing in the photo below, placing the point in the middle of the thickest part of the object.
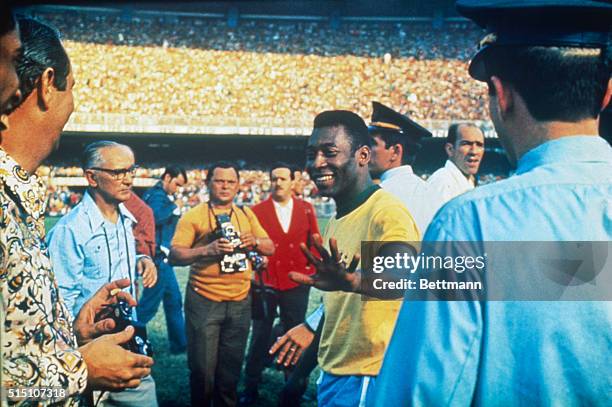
(275, 126)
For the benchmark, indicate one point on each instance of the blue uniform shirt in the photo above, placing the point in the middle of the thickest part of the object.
(510, 352)
(88, 251)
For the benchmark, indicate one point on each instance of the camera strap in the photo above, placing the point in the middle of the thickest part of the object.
(211, 210)
(127, 253)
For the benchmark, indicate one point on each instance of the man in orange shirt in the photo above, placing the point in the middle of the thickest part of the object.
(217, 302)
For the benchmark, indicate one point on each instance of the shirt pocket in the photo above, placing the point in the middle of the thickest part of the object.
(96, 259)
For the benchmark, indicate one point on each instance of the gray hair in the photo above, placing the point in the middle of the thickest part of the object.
(91, 155)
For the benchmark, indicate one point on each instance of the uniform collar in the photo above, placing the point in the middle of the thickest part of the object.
(566, 149)
(457, 174)
(393, 172)
(348, 207)
(28, 189)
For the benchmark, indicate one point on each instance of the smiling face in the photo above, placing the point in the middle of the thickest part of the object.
(330, 161)
(63, 106)
(468, 150)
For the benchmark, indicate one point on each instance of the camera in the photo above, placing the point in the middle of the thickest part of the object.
(235, 262)
(121, 313)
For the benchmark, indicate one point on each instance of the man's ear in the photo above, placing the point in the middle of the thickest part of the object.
(398, 151)
(46, 88)
(363, 155)
(450, 149)
(503, 96)
(90, 176)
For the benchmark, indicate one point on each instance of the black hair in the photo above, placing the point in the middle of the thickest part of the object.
(453, 131)
(557, 83)
(280, 164)
(42, 49)
(354, 126)
(221, 164)
(174, 171)
(392, 137)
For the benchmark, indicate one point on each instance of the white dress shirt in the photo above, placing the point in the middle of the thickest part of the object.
(449, 182)
(283, 213)
(412, 191)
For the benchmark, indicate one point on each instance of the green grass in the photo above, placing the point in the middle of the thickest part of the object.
(172, 375)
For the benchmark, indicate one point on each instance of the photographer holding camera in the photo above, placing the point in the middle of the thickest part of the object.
(94, 245)
(217, 239)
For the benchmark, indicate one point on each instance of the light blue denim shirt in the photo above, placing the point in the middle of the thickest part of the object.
(88, 251)
(511, 353)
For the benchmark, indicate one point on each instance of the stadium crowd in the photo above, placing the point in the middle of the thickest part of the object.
(255, 187)
(261, 70)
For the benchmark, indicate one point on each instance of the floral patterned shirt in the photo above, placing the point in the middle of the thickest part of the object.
(39, 347)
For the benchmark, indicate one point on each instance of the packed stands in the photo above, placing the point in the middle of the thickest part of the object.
(267, 71)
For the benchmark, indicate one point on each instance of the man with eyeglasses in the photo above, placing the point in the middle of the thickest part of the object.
(94, 244)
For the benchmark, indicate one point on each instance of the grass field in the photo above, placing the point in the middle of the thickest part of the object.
(171, 373)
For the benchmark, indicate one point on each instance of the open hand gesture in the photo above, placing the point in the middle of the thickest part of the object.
(332, 273)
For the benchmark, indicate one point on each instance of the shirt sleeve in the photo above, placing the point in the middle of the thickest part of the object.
(68, 261)
(185, 233)
(394, 223)
(144, 233)
(434, 352)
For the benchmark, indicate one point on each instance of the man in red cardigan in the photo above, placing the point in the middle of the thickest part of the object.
(289, 221)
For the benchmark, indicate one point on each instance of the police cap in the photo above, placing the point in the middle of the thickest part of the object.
(387, 120)
(552, 23)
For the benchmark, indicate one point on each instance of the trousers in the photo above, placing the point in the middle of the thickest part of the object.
(216, 338)
(167, 290)
(292, 305)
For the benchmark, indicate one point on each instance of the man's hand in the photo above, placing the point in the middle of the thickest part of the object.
(219, 247)
(248, 240)
(292, 345)
(84, 326)
(146, 268)
(332, 274)
(110, 367)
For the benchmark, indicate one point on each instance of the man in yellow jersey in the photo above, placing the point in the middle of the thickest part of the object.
(357, 328)
(213, 238)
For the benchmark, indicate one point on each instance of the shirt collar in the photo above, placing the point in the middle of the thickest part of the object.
(287, 207)
(96, 220)
(457, 174)
(342, 210)
(28, 189)
(566, 149)
(393, 172)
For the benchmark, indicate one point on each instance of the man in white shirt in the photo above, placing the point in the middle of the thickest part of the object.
(465, 148)
(395, 144)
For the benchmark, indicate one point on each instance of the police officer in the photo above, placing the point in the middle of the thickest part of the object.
(547, 67)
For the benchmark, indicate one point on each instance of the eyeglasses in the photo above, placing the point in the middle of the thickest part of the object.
(118, 174)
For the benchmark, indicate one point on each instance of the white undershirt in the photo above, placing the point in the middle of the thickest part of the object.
(283, 213)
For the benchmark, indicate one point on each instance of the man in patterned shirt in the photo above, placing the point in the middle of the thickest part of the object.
(39, 343)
